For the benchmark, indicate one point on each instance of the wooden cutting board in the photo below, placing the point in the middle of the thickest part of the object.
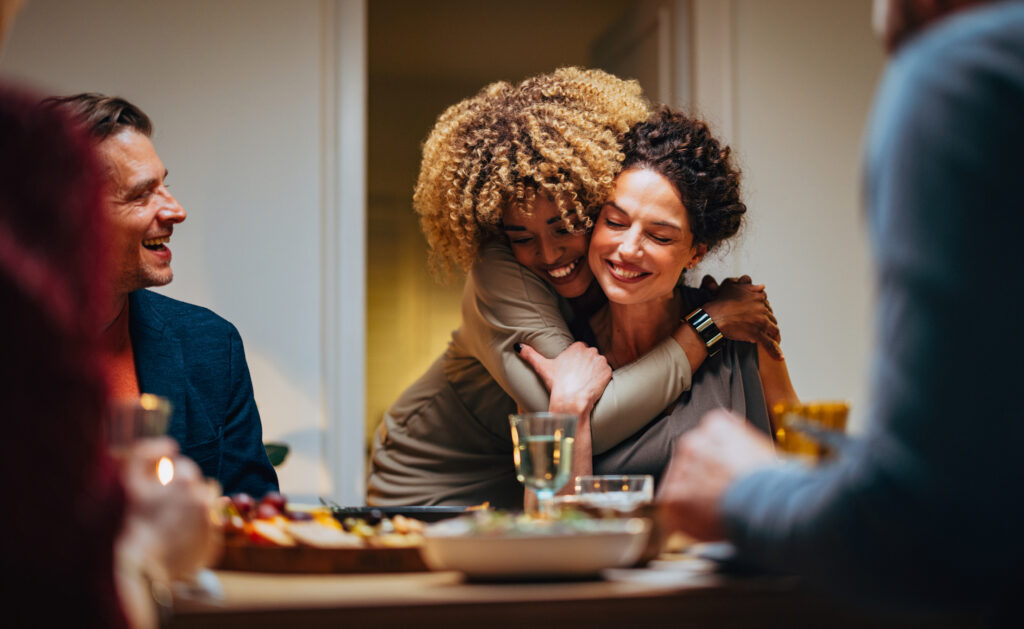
(306, 559)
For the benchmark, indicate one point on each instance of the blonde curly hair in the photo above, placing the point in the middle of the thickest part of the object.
(553, 135)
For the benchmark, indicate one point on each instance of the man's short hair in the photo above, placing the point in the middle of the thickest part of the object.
(102, 116)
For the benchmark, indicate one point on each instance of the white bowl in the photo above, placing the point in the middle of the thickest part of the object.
(614, 544)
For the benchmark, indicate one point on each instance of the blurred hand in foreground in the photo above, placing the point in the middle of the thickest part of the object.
(705, 462)
(171, 525)
(741, 311)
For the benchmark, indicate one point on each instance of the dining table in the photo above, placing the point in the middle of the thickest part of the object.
(671, 591)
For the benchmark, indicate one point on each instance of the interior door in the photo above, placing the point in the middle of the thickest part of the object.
(650, 43)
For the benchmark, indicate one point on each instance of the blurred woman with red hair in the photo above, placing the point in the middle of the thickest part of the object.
(93, 541)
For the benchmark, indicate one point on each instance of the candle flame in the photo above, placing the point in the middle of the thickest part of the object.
(165, 470)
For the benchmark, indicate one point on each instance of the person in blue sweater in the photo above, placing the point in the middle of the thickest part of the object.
(926, 509)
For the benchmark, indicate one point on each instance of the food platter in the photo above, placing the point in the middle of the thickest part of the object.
(424, 514)
(272, 535)
(307, 559)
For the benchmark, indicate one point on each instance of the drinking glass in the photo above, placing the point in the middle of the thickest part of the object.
(543, 451)
(130, 419)
(619, 492)
(811, 430)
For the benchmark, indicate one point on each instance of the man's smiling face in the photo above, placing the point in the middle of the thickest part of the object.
(142, 212)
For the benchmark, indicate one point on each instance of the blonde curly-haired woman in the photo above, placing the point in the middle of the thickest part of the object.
(509, 185)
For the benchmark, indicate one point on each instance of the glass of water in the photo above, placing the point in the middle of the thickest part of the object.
(131, 419)
(621, 493)
(543, 451)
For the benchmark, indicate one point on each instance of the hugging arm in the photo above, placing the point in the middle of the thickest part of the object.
(504, 303)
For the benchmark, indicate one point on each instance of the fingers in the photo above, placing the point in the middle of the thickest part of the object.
(152, 448)
(773, 349)
(709, 284)
(743, 279)
(715, 419)
(186, 470)
(532, 357)
(770, 338)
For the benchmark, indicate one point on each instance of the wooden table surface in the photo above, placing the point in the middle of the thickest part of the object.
(669, 593)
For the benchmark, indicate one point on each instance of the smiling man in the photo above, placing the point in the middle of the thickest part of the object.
(160, 345)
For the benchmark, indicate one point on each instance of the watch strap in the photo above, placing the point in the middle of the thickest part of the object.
(706, 330)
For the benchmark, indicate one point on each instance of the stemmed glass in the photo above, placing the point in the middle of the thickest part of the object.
(543, 451)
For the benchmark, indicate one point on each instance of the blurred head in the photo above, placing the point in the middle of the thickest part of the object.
(551, 141)
(141, 209)
(52, 378)
(676, 199)
(896, 21)
(53, 239)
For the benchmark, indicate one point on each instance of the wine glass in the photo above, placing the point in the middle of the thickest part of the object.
(543, 451)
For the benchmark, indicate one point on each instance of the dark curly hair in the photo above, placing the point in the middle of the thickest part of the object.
(682, 150)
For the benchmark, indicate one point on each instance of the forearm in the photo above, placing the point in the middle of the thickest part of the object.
(775, 381)
(854, 527)
(692, 345)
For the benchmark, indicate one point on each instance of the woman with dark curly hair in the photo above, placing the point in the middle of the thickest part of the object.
(510, 182)
(677, 197)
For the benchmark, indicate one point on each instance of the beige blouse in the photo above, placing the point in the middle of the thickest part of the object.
(446, 440)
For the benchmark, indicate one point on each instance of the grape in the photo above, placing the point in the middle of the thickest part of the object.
(244, 503)
(373, 517)
(275, 500)
(266, 511)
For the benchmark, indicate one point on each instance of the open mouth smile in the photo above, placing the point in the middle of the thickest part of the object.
(565, 272)
(156, 244)
(625, 274)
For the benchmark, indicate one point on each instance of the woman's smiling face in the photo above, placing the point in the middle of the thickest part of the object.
(642, 240)
(542, 243)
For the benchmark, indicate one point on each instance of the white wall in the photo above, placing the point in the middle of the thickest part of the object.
(790, 83)
(236, 92)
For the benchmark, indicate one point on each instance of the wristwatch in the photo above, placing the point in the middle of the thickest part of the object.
(706, 330)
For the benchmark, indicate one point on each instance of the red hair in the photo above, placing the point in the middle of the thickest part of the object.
(53, 390)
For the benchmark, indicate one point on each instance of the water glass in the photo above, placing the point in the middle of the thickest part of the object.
(130, 419)
(619, 492)
(543, 451)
